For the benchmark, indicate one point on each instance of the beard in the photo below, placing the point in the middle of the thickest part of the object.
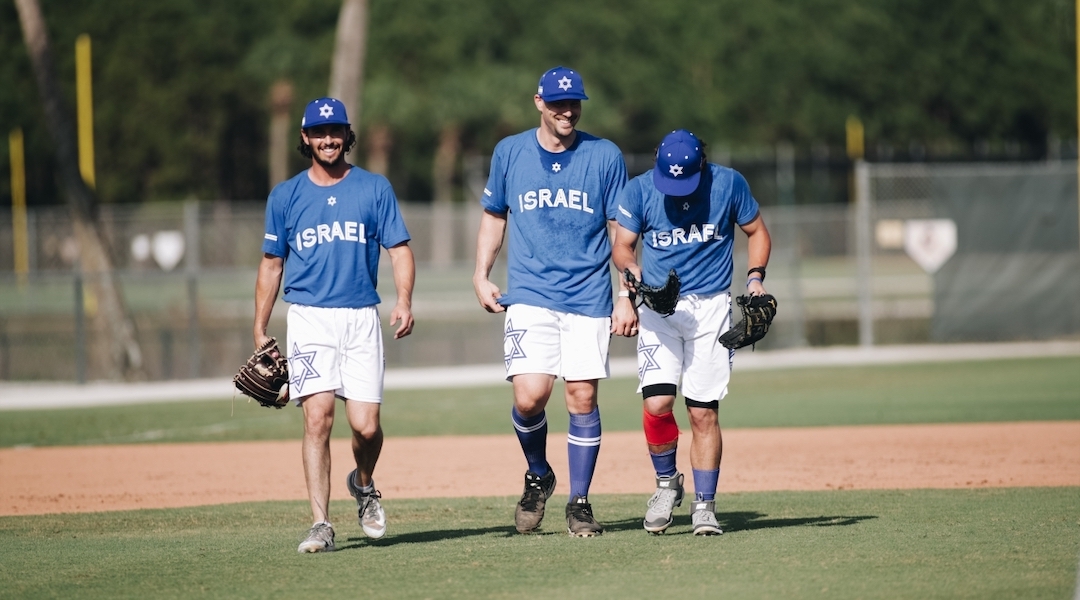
(328, 163)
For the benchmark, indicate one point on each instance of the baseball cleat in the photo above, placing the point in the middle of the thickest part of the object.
(369, 511)
(579, 518)
(668, 495)
(320, 538)
(530, 509)
(703, 516)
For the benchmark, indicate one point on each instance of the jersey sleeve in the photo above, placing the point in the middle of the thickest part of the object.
(392, 230)
(614, 184)
(746, 207)
(494, 197)
(628, 207)
(275, 237)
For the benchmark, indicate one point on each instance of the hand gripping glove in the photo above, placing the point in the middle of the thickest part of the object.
(661, 299)
(265, 376)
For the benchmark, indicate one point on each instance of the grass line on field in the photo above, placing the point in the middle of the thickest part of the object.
(1040, 389)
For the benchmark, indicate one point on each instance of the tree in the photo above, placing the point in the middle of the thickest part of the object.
(123, 357)
(347, 69)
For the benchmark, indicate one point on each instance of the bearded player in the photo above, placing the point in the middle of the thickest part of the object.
(684, 211)
(324, 230)
(554, 189)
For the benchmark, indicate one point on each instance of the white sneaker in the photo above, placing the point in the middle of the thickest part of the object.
(703, 515)
(320, 538)
(369, 510)
(668, 495)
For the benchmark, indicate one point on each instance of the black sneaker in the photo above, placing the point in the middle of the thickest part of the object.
(579, 518)
(530, 509)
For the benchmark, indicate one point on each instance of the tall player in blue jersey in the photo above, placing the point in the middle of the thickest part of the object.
(324, 229)
(554, 189)
(685, 211)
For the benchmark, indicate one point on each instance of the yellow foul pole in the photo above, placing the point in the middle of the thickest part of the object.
(85, 100)
(18, 206)
(1077, 33)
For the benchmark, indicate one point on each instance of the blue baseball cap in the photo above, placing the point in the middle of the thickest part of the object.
(678, 163)
(561, 83)
(324, 111)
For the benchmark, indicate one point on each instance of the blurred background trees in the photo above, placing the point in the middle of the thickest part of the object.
(183, 87)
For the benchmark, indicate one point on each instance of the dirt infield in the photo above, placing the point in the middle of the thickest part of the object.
(100, 478)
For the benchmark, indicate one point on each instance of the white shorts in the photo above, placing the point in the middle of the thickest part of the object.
(685, 345)
(339, 349)
(541, 340)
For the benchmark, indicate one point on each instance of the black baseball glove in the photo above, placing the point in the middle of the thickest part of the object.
(265, 376)
(757, 315)
(661, 299)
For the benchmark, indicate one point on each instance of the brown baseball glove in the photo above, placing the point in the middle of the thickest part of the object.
(265, 376)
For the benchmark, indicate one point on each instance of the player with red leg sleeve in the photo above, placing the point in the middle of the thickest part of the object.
(684, 212)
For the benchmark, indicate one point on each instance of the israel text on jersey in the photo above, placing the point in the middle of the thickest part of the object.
(545, 198)
(678, 236)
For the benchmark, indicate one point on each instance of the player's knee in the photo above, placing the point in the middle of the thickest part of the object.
(660, 429)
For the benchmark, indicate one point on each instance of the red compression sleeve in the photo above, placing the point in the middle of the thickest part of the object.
(660, 430)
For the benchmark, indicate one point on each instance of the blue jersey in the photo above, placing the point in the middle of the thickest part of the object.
(330, 237)
(559, 205)
(692, 234)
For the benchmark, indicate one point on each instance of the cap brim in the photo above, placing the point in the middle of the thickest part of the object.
(675, 187)
(563, 96)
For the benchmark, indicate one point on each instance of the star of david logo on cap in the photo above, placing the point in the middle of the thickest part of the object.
(326, 111)
(301, 367)
(565, 83)
(675, 170)
(556, 167)
(646, 352)
(331, 200)
(512, 344)
(686, 206)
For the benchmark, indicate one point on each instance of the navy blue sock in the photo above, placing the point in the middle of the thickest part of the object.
(583, 446)
(705, 483)
(664, 463)
(532, 435)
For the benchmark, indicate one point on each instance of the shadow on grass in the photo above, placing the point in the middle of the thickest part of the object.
(746, 521)
(730, 522)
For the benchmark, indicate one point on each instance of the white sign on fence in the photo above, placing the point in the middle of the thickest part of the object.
(930, 242)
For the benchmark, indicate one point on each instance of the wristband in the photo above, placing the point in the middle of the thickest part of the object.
(757, 279)
(624, 293)
(757, 270)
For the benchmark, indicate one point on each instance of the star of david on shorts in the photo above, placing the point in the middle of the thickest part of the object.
(326, 111)
(646, 351)
(331, 200)
(675, 170)
(301, 368)
(564, 83)
(556, 167)
(512, 344)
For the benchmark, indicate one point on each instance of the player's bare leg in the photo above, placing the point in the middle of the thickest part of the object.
(367, 442)
(659, 424)
(705, 452)
(318, 422)
(531, 394)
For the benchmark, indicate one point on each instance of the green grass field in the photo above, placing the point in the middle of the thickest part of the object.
(990, 543)
(979, 391)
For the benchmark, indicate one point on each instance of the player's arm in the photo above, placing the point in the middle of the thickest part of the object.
(624, 319)
(759, 247)
(489, 242)
(267, 284)
(404, 265)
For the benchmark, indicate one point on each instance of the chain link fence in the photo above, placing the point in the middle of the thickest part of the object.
(841, 273)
